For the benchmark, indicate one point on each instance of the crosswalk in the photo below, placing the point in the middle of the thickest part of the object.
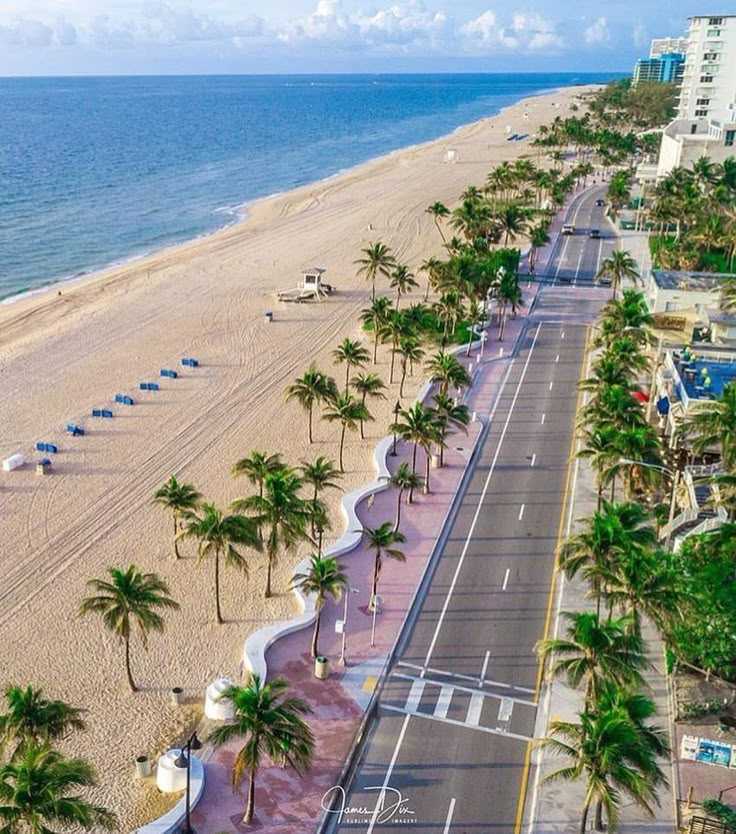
(487, 706)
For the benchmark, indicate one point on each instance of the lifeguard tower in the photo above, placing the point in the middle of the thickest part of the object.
(312, 287)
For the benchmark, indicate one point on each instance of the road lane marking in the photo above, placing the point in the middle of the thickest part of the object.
(415, 695)
(534, 458)
(550, 602)
(506, 578)
(483, 671)
(454, 723)
(450, 812)
(474, 710)
(430, 682)
(562, 335)
(476, 516)
(577, 268)
(443, 702)
(521, 512)
(557, 358)
(544, 417)
(550, 385)
(387, 778)
(504, 715)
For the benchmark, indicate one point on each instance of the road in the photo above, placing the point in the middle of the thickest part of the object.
(577, 258)
(458, 708)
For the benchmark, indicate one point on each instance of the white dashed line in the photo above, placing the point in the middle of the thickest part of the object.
(544, 417)
(534, 458)
(521, 512)
(506, 578)
(484, 669)
(550, 385)
(557, 358)
(450, 812)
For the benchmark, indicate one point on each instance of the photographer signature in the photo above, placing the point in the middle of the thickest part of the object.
(392, 805)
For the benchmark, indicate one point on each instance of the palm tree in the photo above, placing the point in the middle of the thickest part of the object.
(611, 754)
(350, 413)
(619, 266)
(403, 479)
(715, 425)
(130, 599)
(414, 426)
(393, 329)
(375, 317)
(439, 211)
(221, 535)
(257, 466)
(311, 388)
(382, 540)
(513, 221)
(324, 578)
(642, 580)
(33, 719)
(448, 310)
(353, 355)
(320, 475)
(538, 237)
(369, 385)
(474, 316)
(403, 282)
(601, 451)
(447, 371)
(433, 268)
(449, 413)
(410, 352)
(272, 726)
(281, 514)
(595, 651)
(39, 793)
(377, 260)
(181, 500)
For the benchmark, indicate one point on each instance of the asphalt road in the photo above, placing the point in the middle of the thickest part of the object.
(457, 711)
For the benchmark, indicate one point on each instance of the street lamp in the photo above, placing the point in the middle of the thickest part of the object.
(184, 759)
(342, 661)
(397, 410)
(675, 476)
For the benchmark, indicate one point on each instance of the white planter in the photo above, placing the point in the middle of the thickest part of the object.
(169, 777)
(215, 706)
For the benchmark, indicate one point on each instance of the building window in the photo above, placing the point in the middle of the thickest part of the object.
(703, 102)
(715, 21)
(710, 56)
(714, 33)
(700, 113)
(706, 79)
(671, 306)
(730, 135)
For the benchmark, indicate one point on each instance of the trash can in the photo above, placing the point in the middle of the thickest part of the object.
(321, 667)
(435, 461)
(142, 767)
(268, 317)
(177, 696)
(43, 466)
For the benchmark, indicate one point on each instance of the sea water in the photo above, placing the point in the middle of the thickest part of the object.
(96, 171)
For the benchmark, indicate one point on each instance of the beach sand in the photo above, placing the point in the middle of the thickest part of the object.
(63, 354)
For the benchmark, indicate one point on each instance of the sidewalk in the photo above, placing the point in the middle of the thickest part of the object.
(555, 808)
(285, 803)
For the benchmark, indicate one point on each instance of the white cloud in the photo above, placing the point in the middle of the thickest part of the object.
(597, 33)
(640, 35)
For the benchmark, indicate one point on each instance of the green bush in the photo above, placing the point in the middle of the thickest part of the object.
(720, 811)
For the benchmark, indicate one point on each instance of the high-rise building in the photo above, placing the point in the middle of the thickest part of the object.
(665, 69)
(705, 124)
(668, 46)
(709, 79)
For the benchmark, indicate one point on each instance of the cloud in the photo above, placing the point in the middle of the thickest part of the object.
(541, 33)
(597, 33)
(26, 33)
(640, 35)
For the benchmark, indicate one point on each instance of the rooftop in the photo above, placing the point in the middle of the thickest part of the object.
(671, 279)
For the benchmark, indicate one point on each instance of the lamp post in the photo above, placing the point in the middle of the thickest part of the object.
(342, 661)
(184, 759)
(397, 409)
(675, 476)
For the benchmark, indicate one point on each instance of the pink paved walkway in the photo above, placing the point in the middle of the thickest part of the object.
(285, 803)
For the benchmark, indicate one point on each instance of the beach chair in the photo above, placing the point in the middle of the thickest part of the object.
(107, 413)
(188, 362)
(128, 400)
(167, 372)
(47, 447)
(74, 430)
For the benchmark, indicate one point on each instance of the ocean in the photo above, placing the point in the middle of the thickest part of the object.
(96, 171)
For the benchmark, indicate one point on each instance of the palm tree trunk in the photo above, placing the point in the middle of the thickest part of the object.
(375, 342)
(393, 362)
(428, 456)
(470, 340)
(342, 445)
(439, 229)
(403, 378)
(374, 585)
(269, 565)
(311, 439)
(398, 510)
(131, 682)
(613, 489)
(217, 587)
(373, 289)
(315, 634)
(248, 818)
(414, 470)
(600, 496)
(347, 378)
(362, 401)
(176, 537)
(599, 816)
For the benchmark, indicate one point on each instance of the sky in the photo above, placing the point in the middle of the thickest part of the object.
(103, 37)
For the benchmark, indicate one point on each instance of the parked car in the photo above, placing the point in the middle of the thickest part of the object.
(600, 203)
(568, 229)
(604, 281)
(595, 234)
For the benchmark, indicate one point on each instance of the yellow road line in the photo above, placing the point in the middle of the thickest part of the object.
(550, 598)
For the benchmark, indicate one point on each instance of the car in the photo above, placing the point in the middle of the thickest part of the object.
(595, 234)
(600, 203)
(568, 229)
(604, 281)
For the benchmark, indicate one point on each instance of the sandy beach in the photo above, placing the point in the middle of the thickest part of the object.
(63, 354)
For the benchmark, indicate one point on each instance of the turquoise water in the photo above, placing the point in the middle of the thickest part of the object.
(94, 171)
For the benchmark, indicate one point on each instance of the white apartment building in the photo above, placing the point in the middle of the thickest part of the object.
(668, 46)
(706, 119)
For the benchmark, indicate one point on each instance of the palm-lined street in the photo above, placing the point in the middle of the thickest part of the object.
(459, 706)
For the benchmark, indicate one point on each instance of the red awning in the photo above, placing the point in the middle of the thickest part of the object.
(639, 395)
